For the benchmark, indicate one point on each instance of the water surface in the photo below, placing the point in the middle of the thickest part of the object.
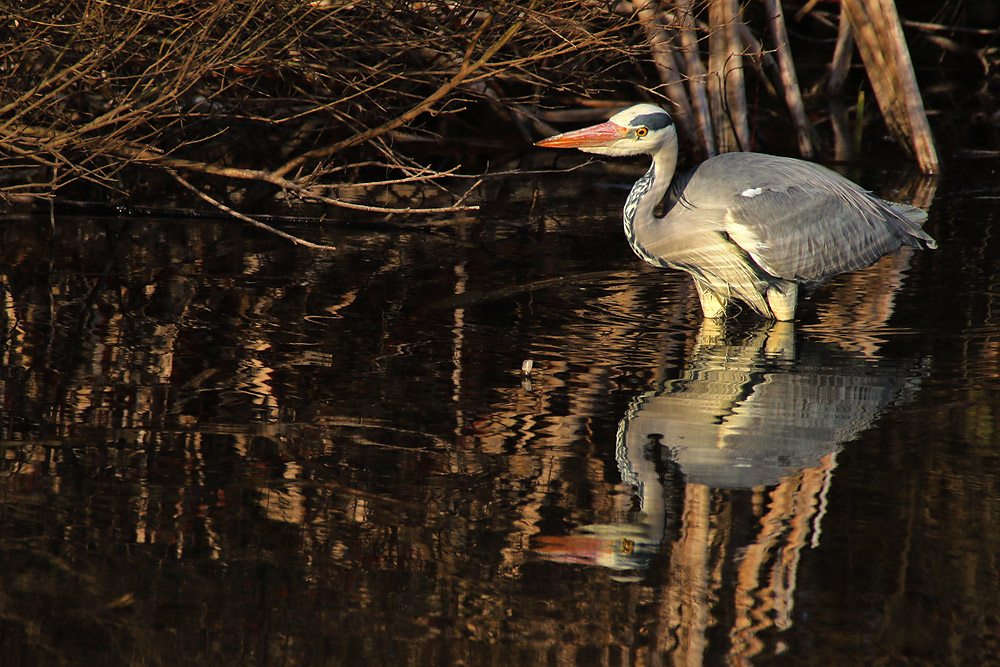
(222, 449)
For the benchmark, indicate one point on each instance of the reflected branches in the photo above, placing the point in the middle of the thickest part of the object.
(335, 457)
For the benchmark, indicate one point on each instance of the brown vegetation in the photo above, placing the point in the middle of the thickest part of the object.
(296, 96)
(243, 101)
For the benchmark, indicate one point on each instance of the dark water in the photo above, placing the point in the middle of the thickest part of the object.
(219, 449)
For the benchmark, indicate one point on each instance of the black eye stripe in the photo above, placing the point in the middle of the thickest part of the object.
(654, 121)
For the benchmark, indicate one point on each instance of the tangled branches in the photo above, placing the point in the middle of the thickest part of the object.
(321, 101)
(256, 96)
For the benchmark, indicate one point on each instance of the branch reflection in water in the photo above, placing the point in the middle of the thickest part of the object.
(764, 409)
(200, 423)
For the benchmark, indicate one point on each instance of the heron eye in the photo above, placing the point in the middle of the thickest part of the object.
(640, 132)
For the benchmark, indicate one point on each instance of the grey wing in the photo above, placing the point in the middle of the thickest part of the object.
(809, 234)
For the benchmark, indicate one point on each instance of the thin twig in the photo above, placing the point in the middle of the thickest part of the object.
(239, 216)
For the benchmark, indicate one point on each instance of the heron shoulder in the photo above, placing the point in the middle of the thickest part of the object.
(727, 181)
(741, 172)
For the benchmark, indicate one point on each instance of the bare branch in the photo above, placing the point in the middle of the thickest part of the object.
(239, 216)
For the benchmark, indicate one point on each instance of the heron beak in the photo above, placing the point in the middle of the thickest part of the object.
(588, 137)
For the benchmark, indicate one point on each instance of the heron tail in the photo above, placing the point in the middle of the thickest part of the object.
(916, 216)
(911, 213)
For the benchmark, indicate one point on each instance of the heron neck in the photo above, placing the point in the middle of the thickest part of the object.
(639, 214)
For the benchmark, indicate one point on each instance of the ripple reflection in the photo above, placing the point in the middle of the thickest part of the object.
(759, 409)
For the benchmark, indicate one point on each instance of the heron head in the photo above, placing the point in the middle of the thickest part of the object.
(642, 128)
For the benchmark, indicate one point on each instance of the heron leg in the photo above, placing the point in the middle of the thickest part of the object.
(712, 305)
(780, 343)
(782, 298)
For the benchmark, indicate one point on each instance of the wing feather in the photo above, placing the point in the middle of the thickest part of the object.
(809, 235)
(797, 220)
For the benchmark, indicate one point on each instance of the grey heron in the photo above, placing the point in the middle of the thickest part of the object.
(747, 226)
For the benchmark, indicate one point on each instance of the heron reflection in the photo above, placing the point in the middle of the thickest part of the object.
(748, 410)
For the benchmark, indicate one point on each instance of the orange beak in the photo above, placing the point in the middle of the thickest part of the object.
(589, 137)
